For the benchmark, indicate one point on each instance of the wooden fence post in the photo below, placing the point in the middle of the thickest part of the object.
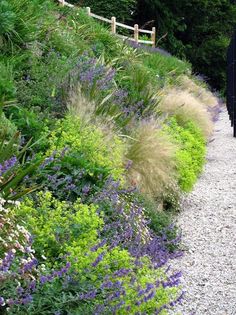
(88, 11)
(113, 25)
(154, 37)
(136, 33)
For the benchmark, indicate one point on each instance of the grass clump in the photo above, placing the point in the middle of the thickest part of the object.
(199, 89)
(151, 155)
(187, 107)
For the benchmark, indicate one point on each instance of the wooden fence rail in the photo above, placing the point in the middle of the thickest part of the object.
(136, 30)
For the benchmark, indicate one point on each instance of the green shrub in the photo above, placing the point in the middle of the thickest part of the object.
(59, 228)
(90, 144)
(32, 125)
(80, 159)
(7, 17)
(165, 69)
(20, 20)
(191, 154)
(40, 85)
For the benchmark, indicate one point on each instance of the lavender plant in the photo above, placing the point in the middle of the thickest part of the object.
(21, 274)
(96, 79)
(99, 82)
(105, 277)
(127, 226)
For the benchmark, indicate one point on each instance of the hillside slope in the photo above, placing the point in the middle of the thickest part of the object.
(117, 134)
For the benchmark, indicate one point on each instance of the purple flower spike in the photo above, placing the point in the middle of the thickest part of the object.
(28, 299)
(8, 164)
(2, 301)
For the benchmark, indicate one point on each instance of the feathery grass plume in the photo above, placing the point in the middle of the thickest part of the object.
(187, 107)
(200, 91)
(152, 158)
(79, 105)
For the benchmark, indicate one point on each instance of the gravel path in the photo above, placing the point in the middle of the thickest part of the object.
(208, 223)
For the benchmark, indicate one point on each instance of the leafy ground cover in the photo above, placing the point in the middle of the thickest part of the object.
(92, 165)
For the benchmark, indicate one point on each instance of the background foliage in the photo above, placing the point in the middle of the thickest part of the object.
(198, 30)
(121, 9)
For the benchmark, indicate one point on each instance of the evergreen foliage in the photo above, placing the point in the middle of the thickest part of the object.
(122, 9)
(197, 29)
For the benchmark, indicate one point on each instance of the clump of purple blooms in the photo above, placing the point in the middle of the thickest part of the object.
(68, 180)
(98, 82)
(93, 75)
(127, 226)
(7, 165)
(20, 272)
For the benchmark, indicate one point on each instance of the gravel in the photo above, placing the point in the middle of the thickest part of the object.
(208, 224)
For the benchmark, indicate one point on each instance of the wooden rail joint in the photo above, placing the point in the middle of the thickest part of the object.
(114, 25)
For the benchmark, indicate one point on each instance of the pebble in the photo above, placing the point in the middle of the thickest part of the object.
(208, 225)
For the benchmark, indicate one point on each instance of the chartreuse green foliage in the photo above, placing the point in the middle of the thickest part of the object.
(60, 228)
(91, 149)
(81, 158)
(191, 154)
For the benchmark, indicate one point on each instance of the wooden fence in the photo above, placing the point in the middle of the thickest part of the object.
(114, 24)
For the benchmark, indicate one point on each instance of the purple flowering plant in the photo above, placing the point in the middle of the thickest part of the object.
(79, 160)
(128, 226)
(104, 277)
(68, 176)
(97, 80)
(20, 272)
(105, 85)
